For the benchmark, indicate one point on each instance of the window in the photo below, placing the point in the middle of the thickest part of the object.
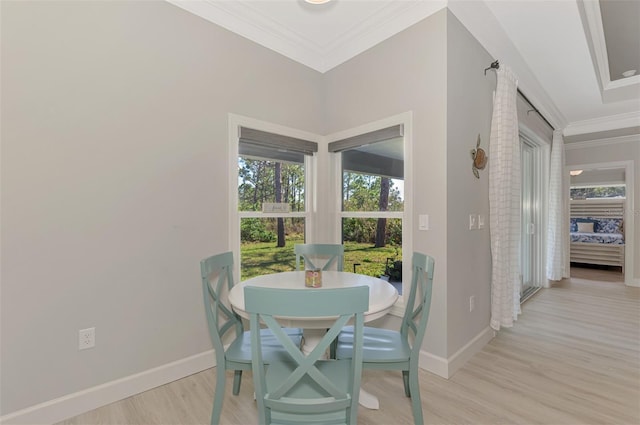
(272, 199)
(595, 191)
(372, 211)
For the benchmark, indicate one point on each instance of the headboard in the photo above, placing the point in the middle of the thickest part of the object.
(588, 247)
(598, 208)
(607, 215)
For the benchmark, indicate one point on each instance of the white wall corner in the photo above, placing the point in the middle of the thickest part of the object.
(446, 368)
(71, 405)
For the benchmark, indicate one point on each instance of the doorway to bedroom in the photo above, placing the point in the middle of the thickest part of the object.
(597, 204)
(601, 235)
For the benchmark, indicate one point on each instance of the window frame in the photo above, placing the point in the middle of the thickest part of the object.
(406, 215)
(236, 216)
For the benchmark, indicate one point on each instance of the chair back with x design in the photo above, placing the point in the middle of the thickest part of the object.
(217, 278)
(308, 388)
(387, 349)
(312, 254)
(416, 315)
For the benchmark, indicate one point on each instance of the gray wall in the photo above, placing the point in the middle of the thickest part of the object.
(115, 175)
(407, 73)
(114, 182)
(599, 177)
(469, 109)
(434, 69)
(612, 153)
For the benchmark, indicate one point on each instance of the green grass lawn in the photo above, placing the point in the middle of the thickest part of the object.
(265, 258)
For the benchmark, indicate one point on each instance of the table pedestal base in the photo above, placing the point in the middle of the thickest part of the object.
(368, 400)
(311, 338)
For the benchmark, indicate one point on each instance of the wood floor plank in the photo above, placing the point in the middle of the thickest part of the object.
(573, 358)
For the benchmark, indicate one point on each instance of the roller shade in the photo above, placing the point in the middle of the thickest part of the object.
(367, 138)
(367, 163)
(378, 153)
(276, 147)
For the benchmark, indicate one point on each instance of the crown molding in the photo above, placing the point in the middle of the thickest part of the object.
(239, 18)
(626, 120)
(602, 142)
(611, 91)
(388, 21)
(243, 19)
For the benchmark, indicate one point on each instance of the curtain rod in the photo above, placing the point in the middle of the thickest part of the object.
(496, 65)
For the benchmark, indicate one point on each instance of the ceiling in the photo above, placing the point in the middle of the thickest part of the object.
(568, 54)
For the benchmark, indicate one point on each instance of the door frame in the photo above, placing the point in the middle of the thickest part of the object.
(629, 225)
(542, 151)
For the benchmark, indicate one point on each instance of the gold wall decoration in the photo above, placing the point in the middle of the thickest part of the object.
(479, 158)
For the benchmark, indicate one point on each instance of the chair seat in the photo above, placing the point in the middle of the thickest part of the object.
(240, 350)
(338, 373)
(380, 345)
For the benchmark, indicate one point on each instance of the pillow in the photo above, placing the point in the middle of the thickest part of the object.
(574, 225)
(589, 220)
(609, 225)
(585, 227)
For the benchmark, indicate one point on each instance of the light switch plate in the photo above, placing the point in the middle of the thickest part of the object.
(423, 222)
(473, 223)
(481, 221)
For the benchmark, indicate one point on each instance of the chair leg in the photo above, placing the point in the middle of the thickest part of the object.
(218, 397)
(416, 402)
(237, 380)
(405, 380)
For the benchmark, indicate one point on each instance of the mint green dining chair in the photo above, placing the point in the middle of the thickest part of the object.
(217, 280)
(307, 390)
(332, 255)
(386, 349)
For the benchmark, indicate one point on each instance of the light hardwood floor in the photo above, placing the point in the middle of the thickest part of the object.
(572, 358)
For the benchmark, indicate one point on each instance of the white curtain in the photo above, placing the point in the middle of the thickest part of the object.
(504, 202)
(557, 232)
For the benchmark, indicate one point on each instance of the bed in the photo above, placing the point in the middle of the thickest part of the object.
(597, 232)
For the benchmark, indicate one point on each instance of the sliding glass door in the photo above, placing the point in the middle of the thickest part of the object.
(533, 220)
(527, 250)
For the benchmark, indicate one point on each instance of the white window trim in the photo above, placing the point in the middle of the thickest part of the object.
(379, 214)
(405, 118)
(235, 122)
(258, 214)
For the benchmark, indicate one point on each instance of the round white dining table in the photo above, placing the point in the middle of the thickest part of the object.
(382, 296)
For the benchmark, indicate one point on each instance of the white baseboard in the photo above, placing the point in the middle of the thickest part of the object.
(633, 282)
(446, 368)
(434, 364)
(74, 404)
(463, 355)
(65, 407)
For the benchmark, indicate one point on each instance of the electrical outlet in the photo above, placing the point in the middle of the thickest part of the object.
(481, 221)
(86, 338)
(472, 302)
